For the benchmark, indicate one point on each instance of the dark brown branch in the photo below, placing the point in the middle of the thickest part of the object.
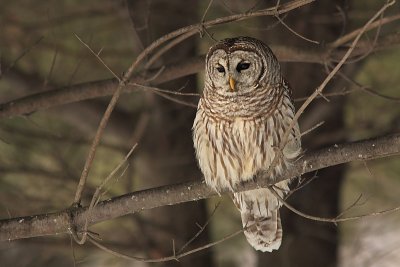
(89, 90)
(348, 37)
(51, 98)
(61, 222)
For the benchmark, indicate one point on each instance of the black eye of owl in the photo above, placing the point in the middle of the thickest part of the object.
(220, 69)
(242, 66)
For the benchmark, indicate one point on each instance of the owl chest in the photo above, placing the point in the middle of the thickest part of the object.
(233, 151)
(246, 140)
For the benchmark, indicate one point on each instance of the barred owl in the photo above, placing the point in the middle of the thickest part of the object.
(242, 116)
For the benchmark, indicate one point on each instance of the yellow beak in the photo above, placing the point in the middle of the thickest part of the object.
(232, 83)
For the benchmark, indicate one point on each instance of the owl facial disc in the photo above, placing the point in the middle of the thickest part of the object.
(234, 72)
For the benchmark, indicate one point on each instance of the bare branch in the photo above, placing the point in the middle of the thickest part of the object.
(202, 228)
(294, 32)
(330, 220)
(89, 90)
(60, 222)
(318, 91)
(185, 32)
(367, 89)
(195, 28)
(168, 258)
(96, 198)
(322, 86)
(26, 51)
(97, 55)
(348, 37)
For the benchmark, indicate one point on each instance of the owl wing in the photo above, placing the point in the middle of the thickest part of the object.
(292, 148)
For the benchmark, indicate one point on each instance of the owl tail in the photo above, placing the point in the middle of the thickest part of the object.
(259, 210)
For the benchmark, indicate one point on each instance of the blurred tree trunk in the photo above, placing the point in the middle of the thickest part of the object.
(165, 154)
(306, 242)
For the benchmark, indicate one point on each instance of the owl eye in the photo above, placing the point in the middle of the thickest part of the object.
(242, 66)
(220, 69)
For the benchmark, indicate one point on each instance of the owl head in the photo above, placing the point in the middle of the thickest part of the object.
(240, 65)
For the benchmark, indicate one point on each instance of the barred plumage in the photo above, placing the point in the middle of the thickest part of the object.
(237, 130)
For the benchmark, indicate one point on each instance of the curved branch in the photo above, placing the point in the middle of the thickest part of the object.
(348, 37)
(61, 222)
(36, 102)
(79, 92)
(89, 90)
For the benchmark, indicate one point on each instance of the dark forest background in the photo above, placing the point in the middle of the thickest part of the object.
(43, 151)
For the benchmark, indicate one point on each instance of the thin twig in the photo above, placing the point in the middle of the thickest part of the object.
(53, 62)
(312, 128)
(166, 48)
(185, 103)
(294, 32)
(72, 251)
(351, 206)
(95, 142)
(96, 196)
(372, 46)
(170, 92)
(164, 259)
(330, 220)
(367, 89)
(116, 180)
(97, 55)
(156, 75)
(342, 93)
(26, 51)
(346, 38)
(206, 11)
(301, 185)
(165, 93)
(202, 228)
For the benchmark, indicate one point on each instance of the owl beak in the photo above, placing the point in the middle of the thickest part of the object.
(232, 83)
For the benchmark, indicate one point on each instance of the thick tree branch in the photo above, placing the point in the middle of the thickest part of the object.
(61, 222)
